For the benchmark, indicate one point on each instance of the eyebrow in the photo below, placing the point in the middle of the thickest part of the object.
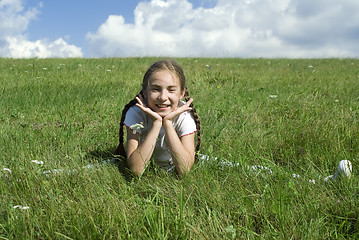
(156, 85)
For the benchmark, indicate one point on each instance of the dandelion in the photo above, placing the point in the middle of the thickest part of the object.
(336, 100)
(21, 207)
(273, 96)
(7, 170)
(37, 162)
(136, 127)
(44, 69)
(108, 70)
(310, 66)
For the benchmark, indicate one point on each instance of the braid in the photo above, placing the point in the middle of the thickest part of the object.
(198, 124)
(120, 150)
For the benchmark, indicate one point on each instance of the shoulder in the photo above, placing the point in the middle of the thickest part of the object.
(134, 115)
(184, 115)
(135, 111)
(185, 123)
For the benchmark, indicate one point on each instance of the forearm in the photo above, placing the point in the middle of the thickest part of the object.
(183, 158)
(140, 157)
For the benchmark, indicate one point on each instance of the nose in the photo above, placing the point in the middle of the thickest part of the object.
(163, 95)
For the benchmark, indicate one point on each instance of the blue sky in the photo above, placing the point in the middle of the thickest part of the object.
(179, 28)
(72, 20)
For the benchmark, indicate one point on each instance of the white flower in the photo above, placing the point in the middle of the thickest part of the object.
(44, 68)
(136, 127)
(310, 66)
(7, 169)
(37, 162)
(273, 96)
(21, 207)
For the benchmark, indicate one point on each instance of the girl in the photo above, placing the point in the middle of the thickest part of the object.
(159, 124)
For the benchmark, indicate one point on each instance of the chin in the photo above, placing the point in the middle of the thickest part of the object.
(162, 114)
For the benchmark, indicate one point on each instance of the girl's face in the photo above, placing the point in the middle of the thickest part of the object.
(163, 92)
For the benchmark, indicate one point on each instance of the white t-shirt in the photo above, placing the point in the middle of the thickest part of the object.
(184, 124)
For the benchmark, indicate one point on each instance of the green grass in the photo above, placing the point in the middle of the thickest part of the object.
(294, 116)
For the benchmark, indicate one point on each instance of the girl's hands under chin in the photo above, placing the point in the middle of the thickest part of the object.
(170, 116)
(155, 116)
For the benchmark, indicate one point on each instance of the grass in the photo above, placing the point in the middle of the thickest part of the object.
(294, 116)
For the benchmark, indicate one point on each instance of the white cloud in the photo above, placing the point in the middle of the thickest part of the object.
(19, 47)
(14, 21)
(233, 28)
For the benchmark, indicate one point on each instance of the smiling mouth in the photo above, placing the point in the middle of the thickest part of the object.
(162, 105)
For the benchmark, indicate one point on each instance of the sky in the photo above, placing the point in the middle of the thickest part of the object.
(179, 28)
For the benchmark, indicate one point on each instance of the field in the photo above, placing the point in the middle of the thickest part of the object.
(292, 115)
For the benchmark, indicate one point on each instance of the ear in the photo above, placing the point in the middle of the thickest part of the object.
(144, 96)
(143, 93)
(183, 93)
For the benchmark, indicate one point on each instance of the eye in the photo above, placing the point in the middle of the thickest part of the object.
(155, 89)
(172, 90)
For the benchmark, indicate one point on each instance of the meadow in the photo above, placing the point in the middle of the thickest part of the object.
(292, 115)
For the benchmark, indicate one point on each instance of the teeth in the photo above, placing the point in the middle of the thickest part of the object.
(162, 106)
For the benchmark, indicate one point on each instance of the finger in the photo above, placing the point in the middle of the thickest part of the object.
(139, 101)
(187, 105)
(189, 101)
(185, 109)
(182, 109)
(141, 107)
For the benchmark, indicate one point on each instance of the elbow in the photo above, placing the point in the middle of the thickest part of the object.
(137, 171)
(182, 171)
(184, 168)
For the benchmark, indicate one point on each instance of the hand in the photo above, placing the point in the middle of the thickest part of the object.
(172, 115)
(155, 116)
